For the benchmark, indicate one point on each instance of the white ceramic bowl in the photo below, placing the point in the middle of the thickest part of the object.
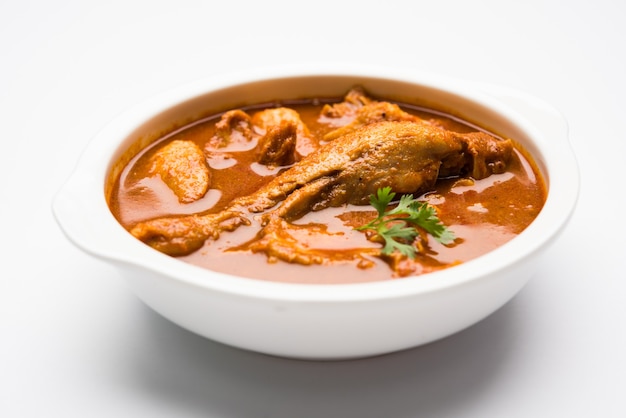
(322, 321)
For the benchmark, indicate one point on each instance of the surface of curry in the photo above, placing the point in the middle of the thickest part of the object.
(275, 191)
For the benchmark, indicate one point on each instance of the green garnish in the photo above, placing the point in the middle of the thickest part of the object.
(398, 226)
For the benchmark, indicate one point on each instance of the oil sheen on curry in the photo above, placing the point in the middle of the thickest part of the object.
(348, 190)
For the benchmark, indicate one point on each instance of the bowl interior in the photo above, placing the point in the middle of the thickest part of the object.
(528, 122)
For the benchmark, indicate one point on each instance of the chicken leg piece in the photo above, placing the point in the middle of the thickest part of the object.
(407, 156)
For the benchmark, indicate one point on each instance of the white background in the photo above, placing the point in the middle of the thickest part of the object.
(75, 342)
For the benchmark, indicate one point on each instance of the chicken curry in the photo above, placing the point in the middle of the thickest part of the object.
(328, 191)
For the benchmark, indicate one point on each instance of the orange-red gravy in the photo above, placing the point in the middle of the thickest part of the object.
(483, 215)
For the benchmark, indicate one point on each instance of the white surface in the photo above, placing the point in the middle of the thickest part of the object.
(75, 342)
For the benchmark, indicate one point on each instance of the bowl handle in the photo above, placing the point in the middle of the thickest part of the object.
(80, 210)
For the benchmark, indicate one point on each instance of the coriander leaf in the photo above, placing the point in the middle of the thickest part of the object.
(382, 199)
(398, 227)
(425, 216)
(398, 237)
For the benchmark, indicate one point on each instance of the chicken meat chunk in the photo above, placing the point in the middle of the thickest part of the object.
(182, 167)
(284, 139)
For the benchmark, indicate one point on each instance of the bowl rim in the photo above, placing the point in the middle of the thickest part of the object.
(82, 212)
